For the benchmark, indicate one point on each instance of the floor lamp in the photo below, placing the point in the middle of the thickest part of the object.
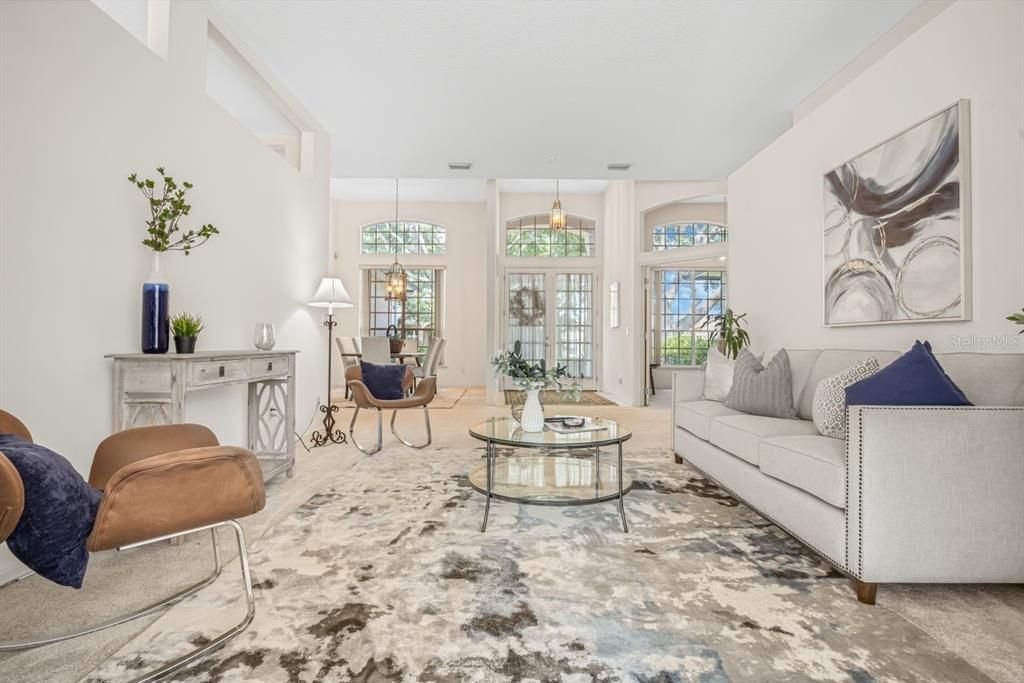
(330, 294)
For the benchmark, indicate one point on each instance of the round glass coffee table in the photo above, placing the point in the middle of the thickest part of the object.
(559, 477)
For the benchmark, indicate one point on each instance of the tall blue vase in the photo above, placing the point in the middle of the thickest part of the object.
(155, 300)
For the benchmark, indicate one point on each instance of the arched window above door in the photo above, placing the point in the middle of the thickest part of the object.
(404, 237)
(687, 234)
(532, 236)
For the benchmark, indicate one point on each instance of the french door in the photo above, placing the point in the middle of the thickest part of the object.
(553, 314)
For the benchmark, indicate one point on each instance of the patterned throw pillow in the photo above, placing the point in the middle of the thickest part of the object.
(829, 410)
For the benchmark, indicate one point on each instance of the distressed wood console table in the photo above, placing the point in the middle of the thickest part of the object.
(150, 389)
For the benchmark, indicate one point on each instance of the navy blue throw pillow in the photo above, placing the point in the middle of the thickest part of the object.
(60, 508)
(913, 379)
(384, 381)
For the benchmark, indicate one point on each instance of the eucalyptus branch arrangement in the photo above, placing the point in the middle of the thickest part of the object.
(1017, 318)
(167, 207)
(729, 328)
(527, 375)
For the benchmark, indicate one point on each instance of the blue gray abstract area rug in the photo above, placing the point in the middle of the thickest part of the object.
(385, 576)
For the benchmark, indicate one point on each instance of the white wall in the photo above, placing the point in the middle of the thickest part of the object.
(83, 105)
(465, 297)
(623, 346)
(971, 50)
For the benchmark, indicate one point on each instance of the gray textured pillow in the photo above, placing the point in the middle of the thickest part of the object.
(761, 390)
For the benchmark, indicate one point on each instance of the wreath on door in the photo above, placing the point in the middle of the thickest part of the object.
(526, 307)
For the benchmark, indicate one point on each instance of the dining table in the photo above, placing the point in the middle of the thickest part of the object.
(399, 356)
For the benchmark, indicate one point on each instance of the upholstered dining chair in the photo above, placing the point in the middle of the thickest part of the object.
(433, 359)
(363, 399)
(158, 483)
(346, 347)
(410, 346)
(376, 350)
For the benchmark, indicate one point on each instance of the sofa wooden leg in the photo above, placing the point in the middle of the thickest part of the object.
(866, 592)
(679, 459)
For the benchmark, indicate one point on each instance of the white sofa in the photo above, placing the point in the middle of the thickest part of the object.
(915, 494)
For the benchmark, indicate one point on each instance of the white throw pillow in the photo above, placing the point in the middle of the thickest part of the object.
(717, 375)
(829, 409)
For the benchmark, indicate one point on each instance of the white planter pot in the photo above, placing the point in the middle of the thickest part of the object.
(532, 419)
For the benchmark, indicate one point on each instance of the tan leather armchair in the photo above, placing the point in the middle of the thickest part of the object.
(362, 398)
(158, 483)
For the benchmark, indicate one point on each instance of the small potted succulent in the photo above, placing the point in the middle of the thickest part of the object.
(531, 378)
(186, 327)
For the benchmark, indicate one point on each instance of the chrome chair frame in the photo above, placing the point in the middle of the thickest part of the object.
(380, 430)
(184, 660)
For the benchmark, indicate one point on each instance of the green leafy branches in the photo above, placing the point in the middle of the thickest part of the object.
(1017, 318)
(527, 375)
(187, 325)
(167, 207)
(729, 328)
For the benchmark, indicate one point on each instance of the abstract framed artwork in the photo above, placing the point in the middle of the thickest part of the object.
(896, 237)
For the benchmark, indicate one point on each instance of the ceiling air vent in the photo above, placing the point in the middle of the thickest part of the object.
(460, 165)
(620, 166)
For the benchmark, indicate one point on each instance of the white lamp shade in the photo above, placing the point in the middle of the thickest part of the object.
(331, 294)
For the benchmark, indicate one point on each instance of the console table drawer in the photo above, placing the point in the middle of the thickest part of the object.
(268, 365)
(215, 372)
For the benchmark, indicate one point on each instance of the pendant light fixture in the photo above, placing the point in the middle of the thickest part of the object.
(557, 221)
(396, 281)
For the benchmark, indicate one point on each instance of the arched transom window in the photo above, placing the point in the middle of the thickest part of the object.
(533, 236)
(403, 237)
(688, 234)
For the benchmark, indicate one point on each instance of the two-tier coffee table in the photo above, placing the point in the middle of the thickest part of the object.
(556, 477)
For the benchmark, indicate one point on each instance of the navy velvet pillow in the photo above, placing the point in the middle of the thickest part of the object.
(60, 508)
(384, 381)
(913, 379)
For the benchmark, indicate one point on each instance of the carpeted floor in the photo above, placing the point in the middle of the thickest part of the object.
(385, 576)
(514, 397)
(373, 569)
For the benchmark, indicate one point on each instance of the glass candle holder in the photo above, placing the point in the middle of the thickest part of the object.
(264, 337)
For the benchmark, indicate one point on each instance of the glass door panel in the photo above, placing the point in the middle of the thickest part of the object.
(527, 314)
(553, 316)
(574, 326)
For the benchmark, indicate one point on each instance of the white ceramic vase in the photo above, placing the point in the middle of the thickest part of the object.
(532, 419)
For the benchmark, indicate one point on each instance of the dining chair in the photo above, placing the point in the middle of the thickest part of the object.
(410, 346)
(347, 347)
(376, 350)
(433, 359)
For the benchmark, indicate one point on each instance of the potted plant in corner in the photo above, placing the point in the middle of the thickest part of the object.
(531, 378)
(186, 328)
(167, 206)
(729, 333)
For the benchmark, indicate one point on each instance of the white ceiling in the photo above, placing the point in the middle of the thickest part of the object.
(410, 189)
(453, 189)
(682, 90)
